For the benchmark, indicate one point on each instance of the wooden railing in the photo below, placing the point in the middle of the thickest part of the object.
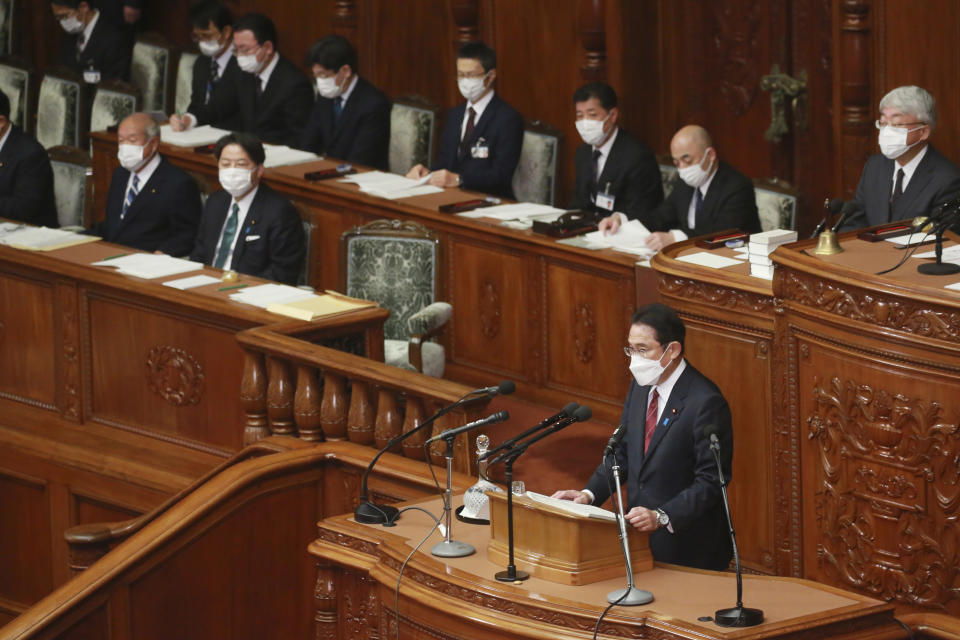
(229, 558)
(296, 388)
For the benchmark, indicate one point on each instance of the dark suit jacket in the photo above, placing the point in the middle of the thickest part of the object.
(198, 91)
(362, 134)
(632, 172)
(164, 215)
(678, 473)
(731, 203)
(271, 244)
(502, 128)
(277, 116)
(26, 181)
(935, 180)
(108, 51)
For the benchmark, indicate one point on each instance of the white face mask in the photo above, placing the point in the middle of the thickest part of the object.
(328, 87)
(249, 63)
(71, 24)
(472, 88)
(130, 156)
(646, 371)
(591, 130)
(209, 47)
(695, 175)
(893, 141)
(236, 181)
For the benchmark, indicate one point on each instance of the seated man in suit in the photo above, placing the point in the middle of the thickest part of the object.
(213, 33)
(248, 227)
(710, 196)
(91, 45)
(672, 482)
(26, 178)
(481, 141)
(122, 14)
(152, 205)
(909, 177)
(615, 172)
(271, 98)
(351, 117)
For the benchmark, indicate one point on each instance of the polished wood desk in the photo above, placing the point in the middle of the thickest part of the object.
(845, 392)
(548, 316)
(359, 568)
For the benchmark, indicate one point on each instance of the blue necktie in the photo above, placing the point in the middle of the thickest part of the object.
(697, 207)
(337, 109)
(226, 240)
(131, 196)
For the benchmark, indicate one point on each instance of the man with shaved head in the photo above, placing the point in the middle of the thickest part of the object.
(152, 205)
(711, 195)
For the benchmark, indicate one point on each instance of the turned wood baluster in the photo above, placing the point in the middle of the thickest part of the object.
(333, 408)
(413, 446)
(389, 420)
(280, 397)
(361, 416)
(325, 602)
(593, 37)
(253, 398)
(306, 405)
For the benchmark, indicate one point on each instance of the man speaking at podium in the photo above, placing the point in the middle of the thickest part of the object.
(672, 483)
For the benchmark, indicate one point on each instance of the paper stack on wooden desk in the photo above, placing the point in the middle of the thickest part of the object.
(21, 236)
(197, 137)
(390, 185)
(761, 245)
(318, 306)
(149, 265)
(279, 155)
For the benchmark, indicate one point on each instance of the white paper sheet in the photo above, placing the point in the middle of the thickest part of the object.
(955, 286)
(950, 254)
(149, 265)
(582, 510)
(631, 234)
(36, 238)
(405, 193)
(191, 282)
(279, 155)
(707, 259)
(514, 211)
(196, 137)
(265, 295)
(909, 239)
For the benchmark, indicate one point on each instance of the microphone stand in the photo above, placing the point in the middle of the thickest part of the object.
(450, 548)
(629, 596)
(940, 268)
(511, 574)
(738, 616)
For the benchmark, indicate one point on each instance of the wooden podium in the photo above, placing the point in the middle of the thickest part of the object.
(559, 546)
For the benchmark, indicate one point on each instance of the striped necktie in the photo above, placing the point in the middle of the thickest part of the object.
(212, 78)
(226, 240)
(651, 422)
(131, 196)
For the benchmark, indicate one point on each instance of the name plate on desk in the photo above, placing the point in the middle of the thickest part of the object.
(559, 546)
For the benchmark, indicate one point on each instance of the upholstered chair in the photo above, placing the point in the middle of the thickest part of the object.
(184, 82)
(776, 203)
(112, 102)
(151, 69)
(535, 179)
(16, 82)
(668, 173)
(61, 109)
(413, 124)
(72, 185)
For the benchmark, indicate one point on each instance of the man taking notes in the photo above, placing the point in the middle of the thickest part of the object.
(248, 227)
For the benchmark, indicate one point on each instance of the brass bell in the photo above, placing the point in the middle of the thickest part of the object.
(827, 244)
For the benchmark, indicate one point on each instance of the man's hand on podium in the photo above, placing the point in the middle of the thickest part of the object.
(642, 519)
(572, 494)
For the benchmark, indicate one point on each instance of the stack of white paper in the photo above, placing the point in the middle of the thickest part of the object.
(390, 185)
(265, 295)
(707, 259)
(950, 254)
(279, 155)
(515, 211)
(196, 137)
(149, 265)
(760, 247)
(40, 238)
(629, 238)
(582, 510)
(190, 282)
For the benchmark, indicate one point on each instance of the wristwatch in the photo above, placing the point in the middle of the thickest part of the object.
(459, 180)
(662, 518)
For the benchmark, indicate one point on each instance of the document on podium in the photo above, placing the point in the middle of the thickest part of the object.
(582, 510)
(196, 137)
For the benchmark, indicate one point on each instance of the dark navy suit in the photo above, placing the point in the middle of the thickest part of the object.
(632, 172)
(361, 135)
(26, 181)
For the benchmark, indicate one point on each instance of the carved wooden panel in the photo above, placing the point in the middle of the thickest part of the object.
(25, 563)
(881, 483)
(167, 374)
(586, 324)
(490, 306)
(28, 342)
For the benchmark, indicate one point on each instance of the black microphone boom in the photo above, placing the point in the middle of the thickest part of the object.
(848, 209)
(615, 439)
(738, 616)
(582, 413)
(505, 388)
(566, 412)
(499, 416)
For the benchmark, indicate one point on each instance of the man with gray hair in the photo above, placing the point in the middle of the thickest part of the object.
(152, 205)
(908, 177)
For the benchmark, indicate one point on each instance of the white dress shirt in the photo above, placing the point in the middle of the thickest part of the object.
(244, 207)
(908, 170)
(143, 175)
(604, 150)
(679, 235)
(478, 108)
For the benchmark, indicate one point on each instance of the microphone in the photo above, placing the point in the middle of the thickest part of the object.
(849, 208)
(499, 416)
(615, 439)
(505, 388)
(566, 412)
(738, 616)
(829, 207)
(582, 413)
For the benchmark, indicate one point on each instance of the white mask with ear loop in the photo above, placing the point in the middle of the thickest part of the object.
(646, 371)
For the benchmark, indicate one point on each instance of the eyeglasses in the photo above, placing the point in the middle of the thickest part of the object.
(470, 76)
(632, 351)
(881, 124)
(248, 52)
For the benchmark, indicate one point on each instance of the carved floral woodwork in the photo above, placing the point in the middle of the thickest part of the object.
(593, 37)
(325, 603)
(491, 309)
(734, 39)
(887, 492)
(174, 375)
(584, 332)
(717, 295)
(70, 344)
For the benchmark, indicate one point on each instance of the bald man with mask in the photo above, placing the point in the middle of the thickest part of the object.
(710, 196)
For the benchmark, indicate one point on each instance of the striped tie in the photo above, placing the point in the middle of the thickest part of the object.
(131, 195)
(226, 240)
(651, 421)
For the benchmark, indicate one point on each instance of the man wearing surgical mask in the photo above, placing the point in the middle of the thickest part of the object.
(248, 227)
(908, 178)
(91, 45)
(481, 140)
(710, 196)
(271, 98)
(351, 117)
(665, 459)
(152, 205)
(615, 171)
(217, 67)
